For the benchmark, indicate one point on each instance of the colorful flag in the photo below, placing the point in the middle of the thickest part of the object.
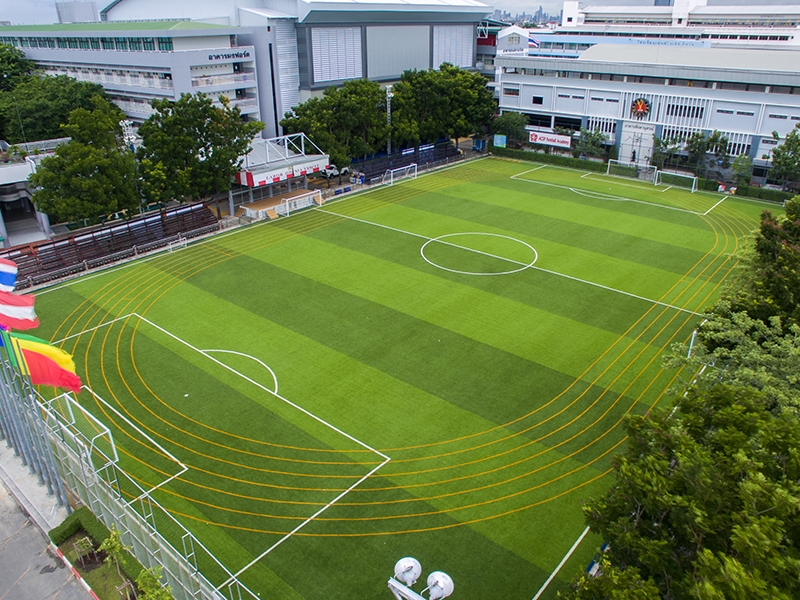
(533, 42)
(16, 312)
(44, 371)
(8, 275)
(62, 358)
(38, 364)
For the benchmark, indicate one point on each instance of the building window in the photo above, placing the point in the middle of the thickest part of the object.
(107, 43)
(724, 111)
(83, 43)
(778, 116)
(681, 110)
(165, 44)
(148, 44)
(135, 43)
(514, 39)
(616, 100)
(62, 42)
(563, 95)
(596, 99)
(510, 91)
(120, 43)
(536, 99)
(745, 113)
(94, 43)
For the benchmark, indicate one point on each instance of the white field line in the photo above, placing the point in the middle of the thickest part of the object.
(561, 564)
(262, 363)
(669, 187)
(385, 458)
(586, 174)
(556, 273)
(715, 206)
(184, 468)
(80, 333)
(602, 196)
(621, 181)
(303, 524)
(237, 230)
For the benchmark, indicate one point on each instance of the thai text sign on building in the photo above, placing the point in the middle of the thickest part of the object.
(550, 139)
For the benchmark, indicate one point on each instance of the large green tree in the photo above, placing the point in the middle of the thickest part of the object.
(446, 103)
(192, 148)
(591, 143)
(786, 157)
(38, 106)
(347, 122)
(512, 125)
(706, 499)
(92, 175)
(14, 67)
(707, 151)
(663, 150)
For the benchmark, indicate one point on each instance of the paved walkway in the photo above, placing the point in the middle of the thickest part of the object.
(28, 571)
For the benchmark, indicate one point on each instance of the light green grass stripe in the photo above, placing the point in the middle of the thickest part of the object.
(628, 276)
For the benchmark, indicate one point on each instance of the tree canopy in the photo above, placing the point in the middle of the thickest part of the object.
(191, 148)
(705, 502)
(38, 106)
(786, 157)
(346, 122)
(92, 175)
(14, 67)
(446, 103)
(351, 121)
(698, 147)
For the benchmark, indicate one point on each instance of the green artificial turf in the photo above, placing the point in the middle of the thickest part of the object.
(472, 340)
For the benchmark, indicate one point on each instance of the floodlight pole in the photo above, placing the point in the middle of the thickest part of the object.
(389, 96)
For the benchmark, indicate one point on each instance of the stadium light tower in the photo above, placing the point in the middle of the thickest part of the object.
(389, 96)
(407, 571)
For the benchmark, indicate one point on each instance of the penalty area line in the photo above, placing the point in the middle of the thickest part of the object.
(561, 564)
(715, 206)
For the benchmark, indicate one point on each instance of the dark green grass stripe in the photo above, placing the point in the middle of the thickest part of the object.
(431, 358)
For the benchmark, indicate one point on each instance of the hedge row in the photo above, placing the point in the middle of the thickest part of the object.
(551, 159)
(83, 518)
(777, 196)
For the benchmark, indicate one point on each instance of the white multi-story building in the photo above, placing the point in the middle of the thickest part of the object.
(265, 55)
(745, 94)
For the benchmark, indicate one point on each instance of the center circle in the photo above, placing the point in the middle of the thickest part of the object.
(440, 239)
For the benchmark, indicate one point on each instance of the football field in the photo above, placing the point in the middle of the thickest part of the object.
(439, 369)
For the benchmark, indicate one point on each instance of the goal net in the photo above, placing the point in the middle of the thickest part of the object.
(289, 205)
(617, 168)
(680, 180)
(394, 175)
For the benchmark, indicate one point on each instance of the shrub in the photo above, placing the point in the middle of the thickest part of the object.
(551, 159)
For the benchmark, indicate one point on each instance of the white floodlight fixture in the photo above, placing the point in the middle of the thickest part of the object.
(440, 585)
(407, 570)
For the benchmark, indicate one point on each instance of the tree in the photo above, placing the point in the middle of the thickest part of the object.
(705, 499)
(150, 588)
(200, 146)
(347, 122)
(663, 150)
(511, 124)
(591, 143)
(786, 157)
(14, 67)
(612, 583)
(431, 105)
(698, 145)
(90, 176)
(38, 106)
(742, 168)
(114, 548)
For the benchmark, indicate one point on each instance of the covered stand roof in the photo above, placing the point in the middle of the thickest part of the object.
(280, 158)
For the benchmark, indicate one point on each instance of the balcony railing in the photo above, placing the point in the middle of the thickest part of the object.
(223, 79)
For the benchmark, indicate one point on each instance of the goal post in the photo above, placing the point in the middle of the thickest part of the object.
(680, 180)
(618, 168)
(394, 175)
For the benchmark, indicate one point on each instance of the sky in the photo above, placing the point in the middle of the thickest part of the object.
(41, 12)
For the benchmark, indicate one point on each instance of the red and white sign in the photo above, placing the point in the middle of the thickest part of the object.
(313, 166)
(550, 139)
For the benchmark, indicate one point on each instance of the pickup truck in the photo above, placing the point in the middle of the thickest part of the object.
(332, 171)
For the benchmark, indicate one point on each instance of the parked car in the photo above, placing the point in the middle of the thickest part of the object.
(332, 171)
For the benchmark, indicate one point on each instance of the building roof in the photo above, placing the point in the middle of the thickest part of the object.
(171, 25)
(755, 11)
(627, 10)
(711, 58)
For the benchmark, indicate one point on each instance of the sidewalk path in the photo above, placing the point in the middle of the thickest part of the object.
(28, 571)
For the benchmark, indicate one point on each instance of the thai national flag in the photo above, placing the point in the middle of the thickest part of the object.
(16, 312)
(533, 42)
(8, 275)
